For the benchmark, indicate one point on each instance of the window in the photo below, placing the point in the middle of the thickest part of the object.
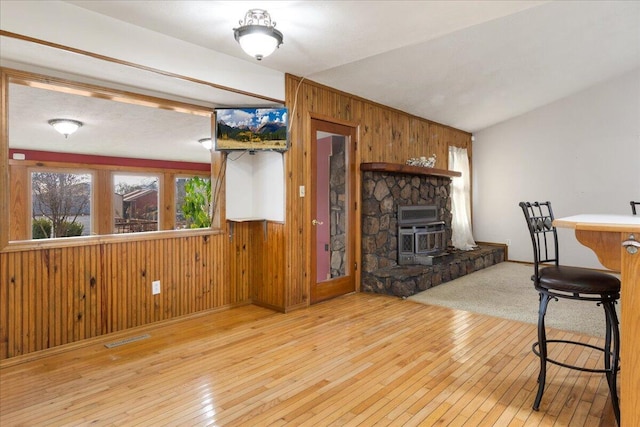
(60, 204)
(129, 147)
(194, 208)
(135, 203)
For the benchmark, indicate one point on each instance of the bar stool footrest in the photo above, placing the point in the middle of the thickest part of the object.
(535, 346)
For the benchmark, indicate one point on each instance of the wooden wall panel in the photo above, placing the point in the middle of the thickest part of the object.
(103, 198)
(257, 261)
(295, 169)
(18, 202)
(5, 305)
(385, 135)
(267, 266)
(239, 241)
(53, 296)
(56, 296)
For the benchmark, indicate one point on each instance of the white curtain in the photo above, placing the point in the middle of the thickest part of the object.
(461, 238)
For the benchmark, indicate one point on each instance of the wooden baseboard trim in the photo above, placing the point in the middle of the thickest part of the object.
(503, 245)
(296, 307)
(269, 306)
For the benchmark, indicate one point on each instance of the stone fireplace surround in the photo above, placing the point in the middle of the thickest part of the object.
(385, 187)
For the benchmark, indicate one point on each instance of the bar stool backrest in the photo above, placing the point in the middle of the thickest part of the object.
(544, 237)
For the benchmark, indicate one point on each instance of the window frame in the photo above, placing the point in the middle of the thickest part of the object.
(29, 199)
(160, 183)
(99, 172)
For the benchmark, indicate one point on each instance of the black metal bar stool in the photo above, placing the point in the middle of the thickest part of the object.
(633, 207)
(554, 281)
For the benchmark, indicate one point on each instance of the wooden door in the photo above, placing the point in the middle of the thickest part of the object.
(333, 208)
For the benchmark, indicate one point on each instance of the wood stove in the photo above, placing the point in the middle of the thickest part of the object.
(421, 235)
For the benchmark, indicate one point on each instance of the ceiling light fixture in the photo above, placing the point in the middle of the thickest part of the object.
(206, 143)
(257, 34)
(65, 126)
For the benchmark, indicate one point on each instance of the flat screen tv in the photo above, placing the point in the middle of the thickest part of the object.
(252, 129)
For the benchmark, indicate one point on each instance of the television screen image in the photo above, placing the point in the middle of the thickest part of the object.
(251, 129)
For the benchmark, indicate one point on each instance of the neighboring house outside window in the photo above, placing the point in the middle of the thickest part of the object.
(135, 203)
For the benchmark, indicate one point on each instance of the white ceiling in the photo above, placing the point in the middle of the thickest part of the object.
(110, 128)
(466, 64)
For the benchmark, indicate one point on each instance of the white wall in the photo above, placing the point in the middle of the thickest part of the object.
(239, 186)
(582, 153)
(255, 185)
(268, 184)
(62, 23)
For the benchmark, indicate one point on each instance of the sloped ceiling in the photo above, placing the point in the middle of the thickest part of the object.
(467, 64)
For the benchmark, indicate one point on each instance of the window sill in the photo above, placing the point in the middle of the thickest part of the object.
(65, 242)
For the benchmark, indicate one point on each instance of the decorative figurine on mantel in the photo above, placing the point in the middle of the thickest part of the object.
(422, 161)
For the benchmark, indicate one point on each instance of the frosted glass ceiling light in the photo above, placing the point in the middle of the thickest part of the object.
(257, 34)
(65, 126)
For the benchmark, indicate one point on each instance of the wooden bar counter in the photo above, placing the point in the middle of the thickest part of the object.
(611, 237)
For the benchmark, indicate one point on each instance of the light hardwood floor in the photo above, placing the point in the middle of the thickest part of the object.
(358, 360)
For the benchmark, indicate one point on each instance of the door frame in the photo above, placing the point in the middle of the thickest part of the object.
(350, 282)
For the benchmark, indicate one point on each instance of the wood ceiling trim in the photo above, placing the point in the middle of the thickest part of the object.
(137, 66)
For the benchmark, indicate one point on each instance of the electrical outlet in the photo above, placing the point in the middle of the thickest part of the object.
(301, 189)
(155, 287)
(508, 242)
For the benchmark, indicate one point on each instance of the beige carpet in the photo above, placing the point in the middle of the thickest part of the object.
(505, 290)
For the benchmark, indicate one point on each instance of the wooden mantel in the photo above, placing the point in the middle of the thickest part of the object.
(410, 170)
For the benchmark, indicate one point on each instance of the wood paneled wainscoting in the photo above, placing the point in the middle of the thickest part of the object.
(55, 296)
(257, 261)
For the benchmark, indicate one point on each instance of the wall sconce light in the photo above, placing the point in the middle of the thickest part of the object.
(206, 143)
(257, 34)
(65, 126)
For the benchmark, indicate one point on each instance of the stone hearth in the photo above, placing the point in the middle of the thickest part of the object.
(407, 280)
(384, 188)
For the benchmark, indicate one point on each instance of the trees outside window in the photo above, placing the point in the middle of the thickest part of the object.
(193, 202)
(61, 204)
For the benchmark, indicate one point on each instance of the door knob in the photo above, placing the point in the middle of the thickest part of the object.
(316, 222)
(632, 245)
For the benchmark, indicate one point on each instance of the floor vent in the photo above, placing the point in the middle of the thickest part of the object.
(127, 341)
